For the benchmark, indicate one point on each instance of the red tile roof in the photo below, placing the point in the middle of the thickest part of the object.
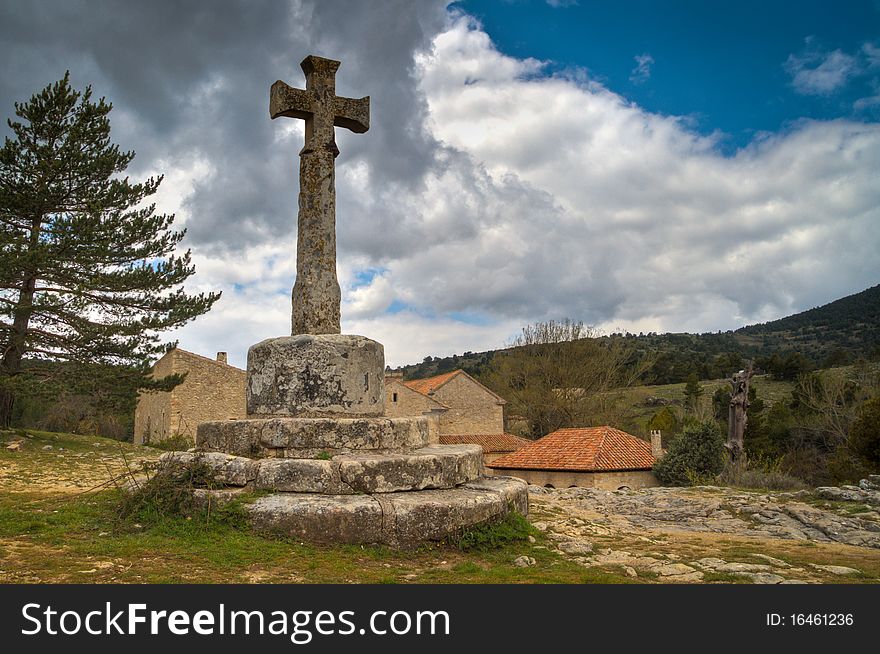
(430, 384)
(588, 449)
(489, 442)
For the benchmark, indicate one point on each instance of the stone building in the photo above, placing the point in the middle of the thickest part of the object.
(461, 409)
(591, 457)
(464, 405)
(211, 390)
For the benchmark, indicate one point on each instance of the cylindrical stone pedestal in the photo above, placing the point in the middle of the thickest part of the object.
(326, 375)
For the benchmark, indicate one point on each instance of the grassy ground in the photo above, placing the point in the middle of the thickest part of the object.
(59, 524)
(54, 529)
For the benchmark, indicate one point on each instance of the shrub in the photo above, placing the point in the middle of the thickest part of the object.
(170, 493)
(759, 474)
(665, 421)
(696, 453)
(174, 443)
(864, 434)
(512, 528)
(847, 467)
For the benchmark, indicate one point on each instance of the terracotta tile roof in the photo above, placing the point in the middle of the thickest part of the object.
(586, 450)
(489, 442)
(431, 384)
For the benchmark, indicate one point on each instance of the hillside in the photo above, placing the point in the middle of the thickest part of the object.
(849, 325)
(831, 335)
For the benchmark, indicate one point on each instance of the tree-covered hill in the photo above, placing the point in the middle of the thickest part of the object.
(848, 325)
(831, 335)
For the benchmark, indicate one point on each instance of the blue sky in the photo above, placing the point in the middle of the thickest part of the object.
(723, 64)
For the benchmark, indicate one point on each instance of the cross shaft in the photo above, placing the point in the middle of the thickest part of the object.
(316, 296)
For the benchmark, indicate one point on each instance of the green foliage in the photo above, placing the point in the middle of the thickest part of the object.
(697, 452)
(487, 536)
(324, 456)
(786, 367)
(88, 273)
(721, 404)
(864, 434)
(174, 443)
(692, 391)
(558, 374)
(843, 466)
(170, 493)
(664, 420)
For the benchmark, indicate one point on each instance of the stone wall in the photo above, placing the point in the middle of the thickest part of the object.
(403, 402)
(473, 409)
(212, 390)
(152, 416)
(632, 479)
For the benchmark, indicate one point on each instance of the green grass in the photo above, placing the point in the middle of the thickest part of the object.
(68, 533)
(52, 540)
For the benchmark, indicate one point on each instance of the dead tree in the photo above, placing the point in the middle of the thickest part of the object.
(738, 417)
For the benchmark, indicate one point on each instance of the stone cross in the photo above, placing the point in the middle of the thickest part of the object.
(316, 295)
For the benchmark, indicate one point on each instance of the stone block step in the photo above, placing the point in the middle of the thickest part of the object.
(310, 437)
(398, 519)
(436, 466)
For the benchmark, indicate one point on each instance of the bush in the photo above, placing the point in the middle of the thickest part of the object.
(766, 475)
(696, 453)
(864, 434)
(513, 528)
(176, 443)
(170, 493)
(846, 467)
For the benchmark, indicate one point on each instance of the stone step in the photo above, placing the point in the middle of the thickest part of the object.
(310, 437)
(436, 466)
(404, 520)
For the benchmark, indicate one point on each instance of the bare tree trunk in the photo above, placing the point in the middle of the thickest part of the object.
(16, 346)
(737, 415)
(7, 401)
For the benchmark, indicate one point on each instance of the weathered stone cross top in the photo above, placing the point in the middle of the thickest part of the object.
(316, 295)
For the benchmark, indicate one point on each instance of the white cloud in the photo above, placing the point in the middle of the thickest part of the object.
(816, 72)
(642, 72)
(551, 197)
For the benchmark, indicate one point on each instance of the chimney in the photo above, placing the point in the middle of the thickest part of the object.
(221, 357)
(656, 444)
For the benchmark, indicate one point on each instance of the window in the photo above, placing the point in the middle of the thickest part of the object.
(394, 397)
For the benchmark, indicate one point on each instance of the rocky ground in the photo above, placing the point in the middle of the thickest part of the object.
(706, 534)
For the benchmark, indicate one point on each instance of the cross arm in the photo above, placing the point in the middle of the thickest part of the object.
(351, 113)
(287, 101)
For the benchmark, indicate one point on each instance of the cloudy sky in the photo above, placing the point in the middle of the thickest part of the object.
(690, 167)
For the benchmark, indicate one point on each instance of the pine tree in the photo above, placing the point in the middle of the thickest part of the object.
(88, 273)
(692, 391)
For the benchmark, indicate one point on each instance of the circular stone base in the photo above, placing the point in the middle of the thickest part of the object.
(402, 520)
(438, 466)
(316, 375)
(311, 437)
